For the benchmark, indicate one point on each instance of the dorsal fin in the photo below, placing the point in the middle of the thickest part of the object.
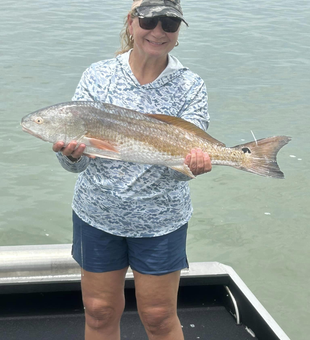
(184, 124)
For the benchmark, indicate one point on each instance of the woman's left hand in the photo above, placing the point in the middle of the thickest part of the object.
(198, 161)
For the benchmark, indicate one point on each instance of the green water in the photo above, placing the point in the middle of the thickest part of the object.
(255, 60)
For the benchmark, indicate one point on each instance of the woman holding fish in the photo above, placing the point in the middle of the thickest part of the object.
(129, 214)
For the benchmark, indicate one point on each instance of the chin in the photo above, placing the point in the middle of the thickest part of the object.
(158, 50)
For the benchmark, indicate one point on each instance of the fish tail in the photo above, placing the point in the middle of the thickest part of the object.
(262, 158)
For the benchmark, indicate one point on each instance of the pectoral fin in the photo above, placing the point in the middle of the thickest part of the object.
(184, 169)
(100, 144)
(102, 154)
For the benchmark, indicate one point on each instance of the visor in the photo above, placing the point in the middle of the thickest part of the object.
(156, 8)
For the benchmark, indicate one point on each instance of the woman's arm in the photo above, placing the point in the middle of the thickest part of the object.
(71, 156)
(195, 110)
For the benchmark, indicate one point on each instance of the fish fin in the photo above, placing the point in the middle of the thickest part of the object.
(103, 154)
(100, 144)
(262, 158)
(184, 169)
(184, 124)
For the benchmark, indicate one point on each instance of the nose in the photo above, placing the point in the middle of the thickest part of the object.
(158, 30)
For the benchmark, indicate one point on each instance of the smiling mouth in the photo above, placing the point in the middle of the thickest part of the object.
(155, 43)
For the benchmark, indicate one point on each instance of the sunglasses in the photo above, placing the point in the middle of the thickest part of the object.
(168, 24)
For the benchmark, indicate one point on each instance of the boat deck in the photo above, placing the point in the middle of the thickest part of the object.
(40, 298)
(59, 315)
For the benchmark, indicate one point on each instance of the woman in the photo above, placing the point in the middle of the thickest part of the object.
(134, 214)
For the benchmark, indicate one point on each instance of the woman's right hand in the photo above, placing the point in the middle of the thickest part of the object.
(72, 150)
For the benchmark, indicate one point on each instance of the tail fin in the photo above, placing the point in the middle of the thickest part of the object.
(263, 159)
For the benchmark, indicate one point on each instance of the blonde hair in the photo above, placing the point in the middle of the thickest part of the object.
(125, 36)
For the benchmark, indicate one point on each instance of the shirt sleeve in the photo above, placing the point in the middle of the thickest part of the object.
(76, 167)
(194, 110)
(84, 90)
(82, 93)
(195, 107)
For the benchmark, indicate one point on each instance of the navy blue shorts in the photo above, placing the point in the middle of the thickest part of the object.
(97, 251)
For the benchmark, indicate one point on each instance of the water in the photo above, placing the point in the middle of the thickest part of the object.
(255, 60)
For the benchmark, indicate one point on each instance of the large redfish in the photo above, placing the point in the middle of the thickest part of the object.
(114, 132)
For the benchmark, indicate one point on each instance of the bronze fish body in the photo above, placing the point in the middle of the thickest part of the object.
(113, 132)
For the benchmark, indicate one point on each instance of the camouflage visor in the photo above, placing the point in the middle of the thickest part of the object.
(156, 8)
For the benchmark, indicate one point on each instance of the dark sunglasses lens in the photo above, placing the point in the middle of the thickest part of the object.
(170, 24)
(148, 23)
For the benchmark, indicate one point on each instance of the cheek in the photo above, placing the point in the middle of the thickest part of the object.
(173, 36)
(134, 27)
(130, 30)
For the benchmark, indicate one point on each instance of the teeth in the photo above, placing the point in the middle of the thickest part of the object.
(155, 43)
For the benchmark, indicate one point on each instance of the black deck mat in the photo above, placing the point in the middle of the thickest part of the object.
(201, 323)
(213, 323)
(53, 316)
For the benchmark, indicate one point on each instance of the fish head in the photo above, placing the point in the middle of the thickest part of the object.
(54, 123)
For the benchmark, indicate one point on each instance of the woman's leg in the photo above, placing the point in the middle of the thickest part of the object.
(104, 260)
(103, 298)
(157, 305)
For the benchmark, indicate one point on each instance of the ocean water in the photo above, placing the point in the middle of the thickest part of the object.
(255, 60)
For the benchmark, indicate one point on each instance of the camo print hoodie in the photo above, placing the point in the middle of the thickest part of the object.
(127, 199)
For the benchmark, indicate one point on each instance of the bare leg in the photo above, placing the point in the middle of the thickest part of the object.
(103, 298)
(157, 305)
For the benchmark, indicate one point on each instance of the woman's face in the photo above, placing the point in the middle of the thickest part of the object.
(152, 43)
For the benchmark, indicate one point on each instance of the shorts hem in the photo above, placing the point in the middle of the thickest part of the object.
(160, 272)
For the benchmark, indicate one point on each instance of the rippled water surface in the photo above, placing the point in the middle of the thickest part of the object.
(255, 60)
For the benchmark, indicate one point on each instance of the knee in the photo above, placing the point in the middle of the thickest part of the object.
(99, 315)
(158, 320)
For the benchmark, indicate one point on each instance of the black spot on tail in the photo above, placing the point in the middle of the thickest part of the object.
(246, 150)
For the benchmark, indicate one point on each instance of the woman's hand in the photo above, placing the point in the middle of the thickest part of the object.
(198, 161)
(72, 150)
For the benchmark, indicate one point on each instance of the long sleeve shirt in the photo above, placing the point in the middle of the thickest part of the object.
(129, 199)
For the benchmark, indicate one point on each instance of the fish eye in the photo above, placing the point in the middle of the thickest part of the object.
(39, 120)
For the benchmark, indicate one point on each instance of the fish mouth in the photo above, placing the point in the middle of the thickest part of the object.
(27, 130)
(31, 132)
